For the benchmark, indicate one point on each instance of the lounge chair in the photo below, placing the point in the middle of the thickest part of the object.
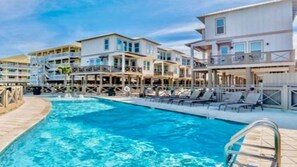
(176, 97)
(193, 96)
(233, 99)
(251, 100)
(205, 98)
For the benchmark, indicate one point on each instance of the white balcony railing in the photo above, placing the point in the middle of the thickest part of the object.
(247, 58)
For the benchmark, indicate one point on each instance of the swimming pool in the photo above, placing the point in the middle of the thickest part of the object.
(105, 133)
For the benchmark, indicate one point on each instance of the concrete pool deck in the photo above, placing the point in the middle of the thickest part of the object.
(287, 122)
(15, 123)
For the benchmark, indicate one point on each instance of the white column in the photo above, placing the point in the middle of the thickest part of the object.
(248, 77)
(209, 85)
(162, 68)
(192, 67)
(123, 63)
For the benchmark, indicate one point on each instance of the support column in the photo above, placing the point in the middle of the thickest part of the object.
(248, 75)
(110, 81)
(162, 83)
(84, 86)
(209, 85)
(152, 82)
(123, 63)
(192, 67)
(123, 82)
(224, 79)
(101, 84)
(216, 77)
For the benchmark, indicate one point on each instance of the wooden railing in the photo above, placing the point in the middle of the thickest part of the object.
(104, 68)
(247, 58)
(10, 97)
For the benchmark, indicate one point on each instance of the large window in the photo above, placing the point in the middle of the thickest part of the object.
(125, 45)
(239, 48)
(136, 47)
(119, 44)
(256, 47)
(94, 62)
(106, 44)
(130, 47)
(220, 26)
(149, 49)
(146, 65)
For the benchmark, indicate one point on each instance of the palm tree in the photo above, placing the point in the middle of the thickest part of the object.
(66, 70)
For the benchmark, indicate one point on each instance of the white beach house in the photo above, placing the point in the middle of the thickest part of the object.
(240, 45)
(116, 60)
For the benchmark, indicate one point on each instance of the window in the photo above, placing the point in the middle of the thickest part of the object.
(220, 26)
(133, 63)
(146, 65)
(168, 56)
(136, 48)
(256, 47)
(106, 44)
(117, 62)
(224, 50)
(239, 48)
(149, 49)
(130, 47)
(92, 62)
(125, 46)
(119, 44)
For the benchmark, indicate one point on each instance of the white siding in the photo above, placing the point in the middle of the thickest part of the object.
(260, 19)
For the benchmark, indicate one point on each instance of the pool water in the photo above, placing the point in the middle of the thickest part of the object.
(106, 133)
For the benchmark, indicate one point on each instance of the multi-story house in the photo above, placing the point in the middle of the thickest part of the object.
(241, 44)
(173, 66)
(44, 63)
(117, 60)
(14, 70)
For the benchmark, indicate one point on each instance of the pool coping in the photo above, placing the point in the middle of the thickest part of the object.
(37, 109)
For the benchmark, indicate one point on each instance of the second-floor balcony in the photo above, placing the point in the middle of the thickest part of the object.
(106, 69)
(256, 59)
(165, 74)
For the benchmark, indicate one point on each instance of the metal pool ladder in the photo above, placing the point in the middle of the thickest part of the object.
(231, 154)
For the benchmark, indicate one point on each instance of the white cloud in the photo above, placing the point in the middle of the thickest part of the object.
(14, 9)
(176, 29)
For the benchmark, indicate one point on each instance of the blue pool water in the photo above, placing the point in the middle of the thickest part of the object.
(106, 133)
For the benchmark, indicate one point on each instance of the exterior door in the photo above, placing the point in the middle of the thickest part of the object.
(224, 50)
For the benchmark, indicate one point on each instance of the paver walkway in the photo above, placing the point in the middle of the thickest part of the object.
(15, 123)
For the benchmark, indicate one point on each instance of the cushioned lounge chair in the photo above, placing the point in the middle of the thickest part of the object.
(205, 98)
(251, 100)
(233, 99)
(193, 96)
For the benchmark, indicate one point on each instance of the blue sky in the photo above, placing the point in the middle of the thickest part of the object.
(28, 25)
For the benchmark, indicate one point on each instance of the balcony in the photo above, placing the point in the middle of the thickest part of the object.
(275, 58)
(14, 80)
(14, 66)
(63, 55)
(166, 73)
(106, 69)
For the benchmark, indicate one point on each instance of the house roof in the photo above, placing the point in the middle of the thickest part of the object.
(116, 34)
(16, 59)
(202, 17)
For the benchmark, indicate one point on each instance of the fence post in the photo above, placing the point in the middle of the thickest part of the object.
(285, 97)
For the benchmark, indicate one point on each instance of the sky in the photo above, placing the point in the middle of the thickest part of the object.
(29, 25)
